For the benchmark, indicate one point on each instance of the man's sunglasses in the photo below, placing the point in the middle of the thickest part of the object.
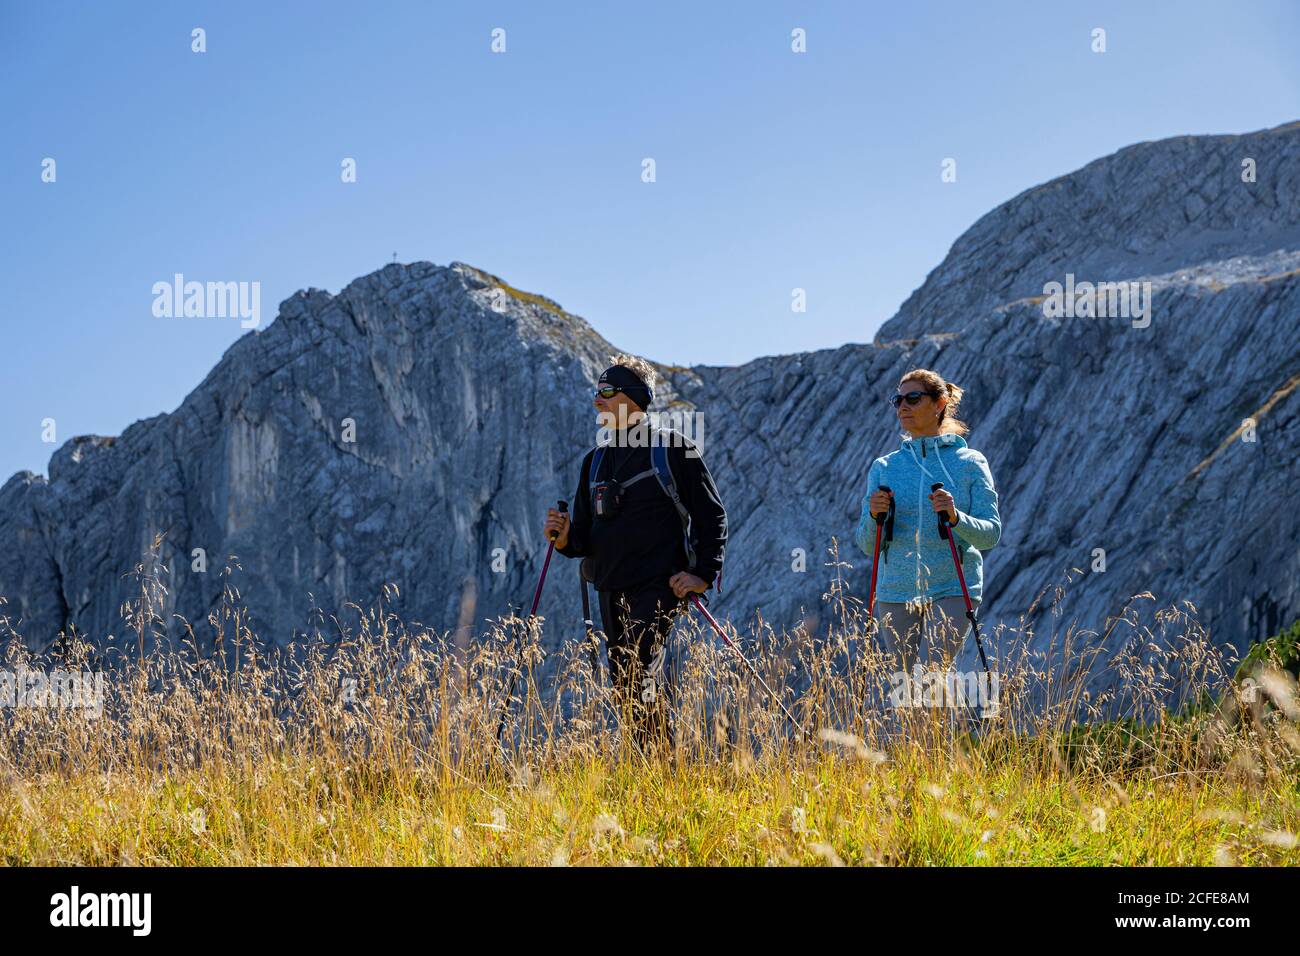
(609, 391)
(912, 398)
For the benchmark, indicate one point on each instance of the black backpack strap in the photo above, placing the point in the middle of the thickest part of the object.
(664, 472)
(649, 472)
(597, 456)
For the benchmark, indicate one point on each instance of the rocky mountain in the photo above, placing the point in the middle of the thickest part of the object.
(412, 429)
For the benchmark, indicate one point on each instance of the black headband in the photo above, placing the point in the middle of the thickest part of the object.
(622, 377)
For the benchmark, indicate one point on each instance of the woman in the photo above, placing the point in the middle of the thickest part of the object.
(917, 583)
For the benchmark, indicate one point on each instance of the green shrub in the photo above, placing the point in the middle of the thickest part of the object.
(1282, 650)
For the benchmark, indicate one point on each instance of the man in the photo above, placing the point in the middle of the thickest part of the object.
(643, 552)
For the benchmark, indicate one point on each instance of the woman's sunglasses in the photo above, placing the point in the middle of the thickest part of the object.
(609, 391)
(912, 398)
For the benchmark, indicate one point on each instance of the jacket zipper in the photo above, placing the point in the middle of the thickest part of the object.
(920, 499)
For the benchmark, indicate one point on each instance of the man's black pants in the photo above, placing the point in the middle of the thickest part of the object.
(637, 622)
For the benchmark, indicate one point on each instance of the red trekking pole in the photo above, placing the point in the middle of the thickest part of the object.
(563, 507)
(699, 606)
(945, 533)
(875, 557)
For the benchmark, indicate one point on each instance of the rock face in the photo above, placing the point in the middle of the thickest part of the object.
(412, 429)
(397, 432)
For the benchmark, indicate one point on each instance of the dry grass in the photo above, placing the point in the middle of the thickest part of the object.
(375, 744)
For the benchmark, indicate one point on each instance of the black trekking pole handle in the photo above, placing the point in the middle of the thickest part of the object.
(884, 523)
(880, 518)
(943, 515)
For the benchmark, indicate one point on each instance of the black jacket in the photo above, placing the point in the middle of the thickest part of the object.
(644, 541)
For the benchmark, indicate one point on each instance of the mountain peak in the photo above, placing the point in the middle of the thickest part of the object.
(1149, 209)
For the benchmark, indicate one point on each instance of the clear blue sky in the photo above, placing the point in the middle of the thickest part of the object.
(775, 170)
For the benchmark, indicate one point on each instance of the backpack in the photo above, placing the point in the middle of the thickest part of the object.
(662, 471)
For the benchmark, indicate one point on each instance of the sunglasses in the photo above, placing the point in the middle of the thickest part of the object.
(912, 398)
(609, 391)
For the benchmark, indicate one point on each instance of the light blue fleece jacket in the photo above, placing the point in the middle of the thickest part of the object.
(919, 562)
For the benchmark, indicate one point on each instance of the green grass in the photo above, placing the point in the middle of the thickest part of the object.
(828, 809)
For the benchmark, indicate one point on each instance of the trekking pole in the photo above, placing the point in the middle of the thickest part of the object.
(586, 620)
(563, 507)
(945, 533)
(699, 606)
(875, 557)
